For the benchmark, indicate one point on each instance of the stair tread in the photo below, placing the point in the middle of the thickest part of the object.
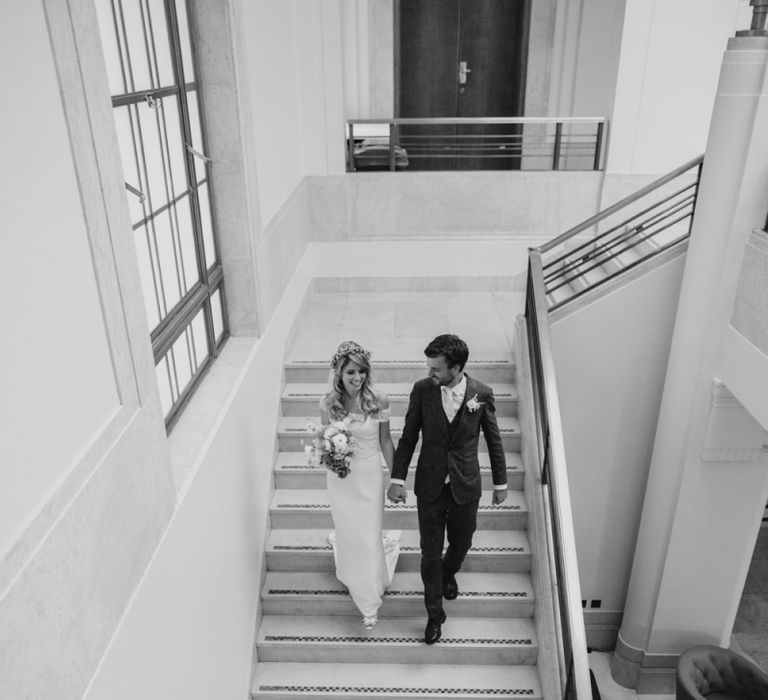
(471, 584)
(501, 390)
(311, 629)
(298, 460)
(317, 499)
(317, 539)
(299, 425)
(422, 680)
(301, 360)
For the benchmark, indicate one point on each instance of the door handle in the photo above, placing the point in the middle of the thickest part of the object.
(463, 70)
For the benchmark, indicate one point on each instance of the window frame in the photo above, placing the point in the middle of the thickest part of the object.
(198, 298)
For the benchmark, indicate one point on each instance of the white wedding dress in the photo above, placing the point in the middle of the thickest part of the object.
(364, 554)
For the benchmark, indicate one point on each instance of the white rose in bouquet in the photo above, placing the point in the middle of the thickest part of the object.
(340, 442)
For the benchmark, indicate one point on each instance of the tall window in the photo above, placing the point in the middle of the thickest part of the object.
(152, 79)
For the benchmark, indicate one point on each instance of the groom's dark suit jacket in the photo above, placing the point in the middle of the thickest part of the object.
(449, 449)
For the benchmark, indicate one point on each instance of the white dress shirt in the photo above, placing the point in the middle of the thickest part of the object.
(453, 397)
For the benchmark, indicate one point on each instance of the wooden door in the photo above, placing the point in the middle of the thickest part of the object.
(434, 37)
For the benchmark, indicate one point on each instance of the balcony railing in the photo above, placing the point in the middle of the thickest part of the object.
(492, 143)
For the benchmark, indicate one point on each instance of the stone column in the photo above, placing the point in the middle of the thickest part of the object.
(708, 483)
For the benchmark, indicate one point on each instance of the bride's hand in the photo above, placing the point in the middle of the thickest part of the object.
(396, 493)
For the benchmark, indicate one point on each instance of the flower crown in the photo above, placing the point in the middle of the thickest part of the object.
(347, 348)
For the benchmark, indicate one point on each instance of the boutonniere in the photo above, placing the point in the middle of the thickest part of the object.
(473, 404)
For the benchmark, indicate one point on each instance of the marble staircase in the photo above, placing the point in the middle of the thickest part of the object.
(311, 642)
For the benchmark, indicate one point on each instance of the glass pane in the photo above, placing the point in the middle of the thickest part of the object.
(186, 241)
(167, 254)
(194, 121)
(199, 340)
(164, 382)
(147, 271)
(205, 218)
(125, 140)
(135, 38)
(186, 44)
(154, 161)
(169, 113)
(197, 138)
(218, 315)
(161, 46)
(109, 45)
(182, 354)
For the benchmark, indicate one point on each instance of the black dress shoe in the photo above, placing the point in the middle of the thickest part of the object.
(450, 587)
(434, 630)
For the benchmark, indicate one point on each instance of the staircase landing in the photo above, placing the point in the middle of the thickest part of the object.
(396, 326)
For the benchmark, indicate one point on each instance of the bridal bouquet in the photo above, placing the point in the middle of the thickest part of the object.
(332, 447)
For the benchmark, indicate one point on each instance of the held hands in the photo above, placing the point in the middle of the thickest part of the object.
(499, 496)
(397, 493)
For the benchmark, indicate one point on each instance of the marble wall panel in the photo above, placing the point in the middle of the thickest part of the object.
(283, 243)
(393, 205)
(750, 308)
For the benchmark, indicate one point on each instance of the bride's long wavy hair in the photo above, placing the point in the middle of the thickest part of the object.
(367, 400)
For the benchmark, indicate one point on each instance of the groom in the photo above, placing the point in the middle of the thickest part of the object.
(449, 408)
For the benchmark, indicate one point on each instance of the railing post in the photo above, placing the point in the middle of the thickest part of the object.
(759, 17)
(351, 148)
(598, 144)
(392, 137)
(556, 150)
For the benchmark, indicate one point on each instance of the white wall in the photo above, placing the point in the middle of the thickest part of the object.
(587, 44)
(270, 48)
(667, 78)
(56, 347)
(292, 52)
(85, 463)
(610, 359)
(190, 628)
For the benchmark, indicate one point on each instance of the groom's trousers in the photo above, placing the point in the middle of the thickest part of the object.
(436, 518)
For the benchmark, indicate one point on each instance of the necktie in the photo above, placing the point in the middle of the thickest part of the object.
(449, 403)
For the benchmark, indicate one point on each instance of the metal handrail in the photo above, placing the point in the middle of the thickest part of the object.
(661, 223)
(572, 643)
(396, 150)
(592, 220)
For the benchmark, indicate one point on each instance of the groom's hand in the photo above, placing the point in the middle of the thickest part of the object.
(499, 496)
(396, 493)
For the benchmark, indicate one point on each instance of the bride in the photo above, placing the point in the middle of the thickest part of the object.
(365, 558)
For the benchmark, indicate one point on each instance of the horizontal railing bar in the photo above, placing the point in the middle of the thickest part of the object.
(481, 120)
(623, 223)
(605, 245)
(631, 265)
(593, 265)
(592, 220)
(616, 253)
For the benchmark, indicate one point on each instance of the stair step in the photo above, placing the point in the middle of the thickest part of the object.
(320, 593)
(340, 638)
(301, 398)
(308, 550)
(293, 472)
(560, 294)
(308, 508)
(294, 434)
(488, 370)
(394, 681)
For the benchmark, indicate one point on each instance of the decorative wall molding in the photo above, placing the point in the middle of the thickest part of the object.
(733, 435)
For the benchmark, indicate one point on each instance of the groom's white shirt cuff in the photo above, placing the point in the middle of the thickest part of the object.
(496, 487)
